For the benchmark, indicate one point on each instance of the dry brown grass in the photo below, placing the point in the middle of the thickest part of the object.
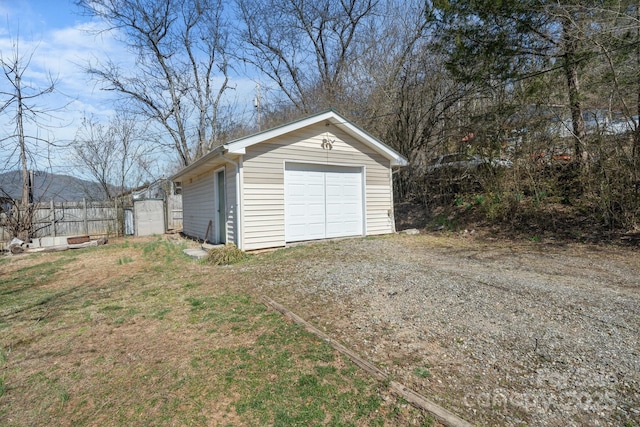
(135, 333)
(226, 255)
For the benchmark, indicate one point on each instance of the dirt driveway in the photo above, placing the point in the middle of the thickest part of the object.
(499, 332)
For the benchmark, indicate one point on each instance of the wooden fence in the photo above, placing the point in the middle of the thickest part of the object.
(174, 211)
(94, 219)
(77, 218)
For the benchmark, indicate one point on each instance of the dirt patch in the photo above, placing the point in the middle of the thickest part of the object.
(410, 214)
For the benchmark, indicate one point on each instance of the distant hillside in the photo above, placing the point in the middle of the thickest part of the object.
(47, 187)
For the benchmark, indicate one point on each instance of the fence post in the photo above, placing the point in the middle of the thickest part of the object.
(84, 211)
(53, 218)
(115, 216)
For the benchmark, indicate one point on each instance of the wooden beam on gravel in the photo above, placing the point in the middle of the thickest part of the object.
(411, 396)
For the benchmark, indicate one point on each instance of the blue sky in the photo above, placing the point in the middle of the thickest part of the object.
(60, 41)
(56, 33)
(41, 15)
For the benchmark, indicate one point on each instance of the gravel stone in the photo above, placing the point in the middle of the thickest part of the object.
(511, 333)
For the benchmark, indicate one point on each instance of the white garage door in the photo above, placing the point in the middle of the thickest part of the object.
(322, 201)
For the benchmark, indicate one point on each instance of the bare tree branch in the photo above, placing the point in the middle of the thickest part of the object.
(181, 54)
(18, 103)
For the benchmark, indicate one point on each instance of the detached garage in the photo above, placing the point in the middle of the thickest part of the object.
(316, 178)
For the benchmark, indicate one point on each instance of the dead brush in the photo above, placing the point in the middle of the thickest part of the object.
(226, 255)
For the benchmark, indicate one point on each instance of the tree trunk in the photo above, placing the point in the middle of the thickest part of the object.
(636, 134)
(573, 85)
(24, 225)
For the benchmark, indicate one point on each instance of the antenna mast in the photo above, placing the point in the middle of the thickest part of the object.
(256, 103)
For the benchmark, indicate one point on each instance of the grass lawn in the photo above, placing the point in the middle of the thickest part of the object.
(136, 333)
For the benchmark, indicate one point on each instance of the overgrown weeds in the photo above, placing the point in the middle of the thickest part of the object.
(225, 255)
(597, 198)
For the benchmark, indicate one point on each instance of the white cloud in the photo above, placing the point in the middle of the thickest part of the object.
(58, 54)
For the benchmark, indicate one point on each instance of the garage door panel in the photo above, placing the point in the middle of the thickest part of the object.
(297, 210)
(315, 210)
(322, 201)
(296, 189)
(351, 191)
(344, 203)
(343, 229)
(346, 212)
(315, 190)
(304, 205)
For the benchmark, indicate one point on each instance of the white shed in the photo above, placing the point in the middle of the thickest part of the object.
(315, 178)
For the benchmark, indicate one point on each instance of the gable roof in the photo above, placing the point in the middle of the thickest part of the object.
(331, 117)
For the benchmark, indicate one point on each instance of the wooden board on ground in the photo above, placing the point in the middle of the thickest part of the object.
(411, 396)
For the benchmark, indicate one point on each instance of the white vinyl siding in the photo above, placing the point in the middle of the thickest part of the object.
(198, 205)
(263, 214)
(263, 187)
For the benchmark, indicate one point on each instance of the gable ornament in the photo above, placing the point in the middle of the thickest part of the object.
(327, 144)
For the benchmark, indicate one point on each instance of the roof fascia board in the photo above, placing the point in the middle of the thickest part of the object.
(203, 160)
(241, 144)
(395, 157)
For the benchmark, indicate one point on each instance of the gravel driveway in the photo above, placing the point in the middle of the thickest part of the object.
(498, 332)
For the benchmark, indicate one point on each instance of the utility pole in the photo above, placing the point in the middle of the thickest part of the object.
(256, 104)
(31, 184)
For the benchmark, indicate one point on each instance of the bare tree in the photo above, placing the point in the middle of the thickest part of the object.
(306, 47)
(19, 105)
(182, 68)
(115, 154)
(617, 80)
